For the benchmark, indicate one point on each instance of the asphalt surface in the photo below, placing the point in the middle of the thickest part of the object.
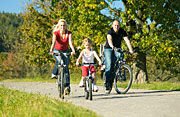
(136, 103)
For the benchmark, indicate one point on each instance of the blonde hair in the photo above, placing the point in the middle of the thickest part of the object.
(56, 27)
(87, 40)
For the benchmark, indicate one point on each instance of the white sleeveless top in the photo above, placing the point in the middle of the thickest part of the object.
(88, 58)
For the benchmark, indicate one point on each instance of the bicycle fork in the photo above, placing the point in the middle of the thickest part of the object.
(87, 83)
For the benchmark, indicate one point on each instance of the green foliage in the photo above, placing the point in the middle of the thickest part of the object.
(14, 103)
(84, 18)
(36, 35)
(154, 30)
(9, 35)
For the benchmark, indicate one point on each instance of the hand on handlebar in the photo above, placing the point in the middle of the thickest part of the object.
(73, 53)
(77, 63)
(131, 52)
(51, 52)
(115, 49)
(100, 63)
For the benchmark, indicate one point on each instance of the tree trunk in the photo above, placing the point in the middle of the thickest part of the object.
(140, 74)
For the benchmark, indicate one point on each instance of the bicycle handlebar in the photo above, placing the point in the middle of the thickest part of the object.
(61, 53)
(95, 64)
(123, 51)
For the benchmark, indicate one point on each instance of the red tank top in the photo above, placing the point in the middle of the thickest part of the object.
(62, 44)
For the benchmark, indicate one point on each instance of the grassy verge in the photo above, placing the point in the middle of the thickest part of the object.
(17, 104)
(166, 86)
(76, 77)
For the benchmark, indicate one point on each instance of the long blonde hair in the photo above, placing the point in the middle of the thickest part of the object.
(56, 27)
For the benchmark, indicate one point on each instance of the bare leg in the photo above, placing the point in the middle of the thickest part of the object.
(95, 79)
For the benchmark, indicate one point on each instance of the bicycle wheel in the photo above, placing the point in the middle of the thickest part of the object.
(86, 92)
(90, 89)
(59, 83)
(123, 79)
(62, 82)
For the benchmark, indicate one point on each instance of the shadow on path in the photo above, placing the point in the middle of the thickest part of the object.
(128, 95)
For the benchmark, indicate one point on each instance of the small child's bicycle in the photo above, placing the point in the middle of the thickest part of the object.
(88, 82)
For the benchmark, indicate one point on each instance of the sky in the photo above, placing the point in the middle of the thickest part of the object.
(12, 6)
(17, 6)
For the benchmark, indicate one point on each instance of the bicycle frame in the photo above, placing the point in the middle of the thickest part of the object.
(89, 82)
(121, 72)
(89, 77)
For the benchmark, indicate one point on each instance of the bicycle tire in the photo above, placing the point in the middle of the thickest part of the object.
(90, 88)
(86, 92)
(59, 83)
(62, 82)
(123, 79)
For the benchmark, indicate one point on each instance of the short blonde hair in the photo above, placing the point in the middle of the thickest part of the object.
(87, 40)
(56, 27)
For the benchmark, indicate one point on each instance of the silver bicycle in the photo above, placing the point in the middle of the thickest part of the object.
(61, 80)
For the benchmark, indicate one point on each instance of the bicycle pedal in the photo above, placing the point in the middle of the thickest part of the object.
(81, 86)
(95, 90)
(67, 91)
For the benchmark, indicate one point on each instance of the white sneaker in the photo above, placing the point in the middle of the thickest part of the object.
(53, 76)
(102, 67)
(81, 84)
(95, 88)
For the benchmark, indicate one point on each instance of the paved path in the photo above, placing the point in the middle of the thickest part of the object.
(136, 103)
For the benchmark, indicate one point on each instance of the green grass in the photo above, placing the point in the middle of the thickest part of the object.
(20, 104)
(165, 86)
(76, 77)
(168, 86)
(37, 79)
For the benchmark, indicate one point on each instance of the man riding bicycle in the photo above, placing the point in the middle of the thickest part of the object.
(113, 43)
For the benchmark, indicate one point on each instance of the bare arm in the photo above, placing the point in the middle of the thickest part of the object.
(97, 57)
(128, 44)
(80, 56)
(109, 38)
(53, 43)
(71, 45)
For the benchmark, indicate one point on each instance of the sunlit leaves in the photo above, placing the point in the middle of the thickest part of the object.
(83, 16)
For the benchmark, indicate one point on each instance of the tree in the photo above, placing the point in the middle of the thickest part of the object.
(83, 16)
(155, 39)
(9, 34)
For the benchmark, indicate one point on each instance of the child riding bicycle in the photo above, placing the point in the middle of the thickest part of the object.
(87, 56)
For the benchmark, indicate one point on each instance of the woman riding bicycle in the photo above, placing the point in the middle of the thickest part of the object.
(87, 56)
(62, 39)
(113, 43)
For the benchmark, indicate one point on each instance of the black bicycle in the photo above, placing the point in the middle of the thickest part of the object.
(61, 80)
(89, 82)
(122, 75)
